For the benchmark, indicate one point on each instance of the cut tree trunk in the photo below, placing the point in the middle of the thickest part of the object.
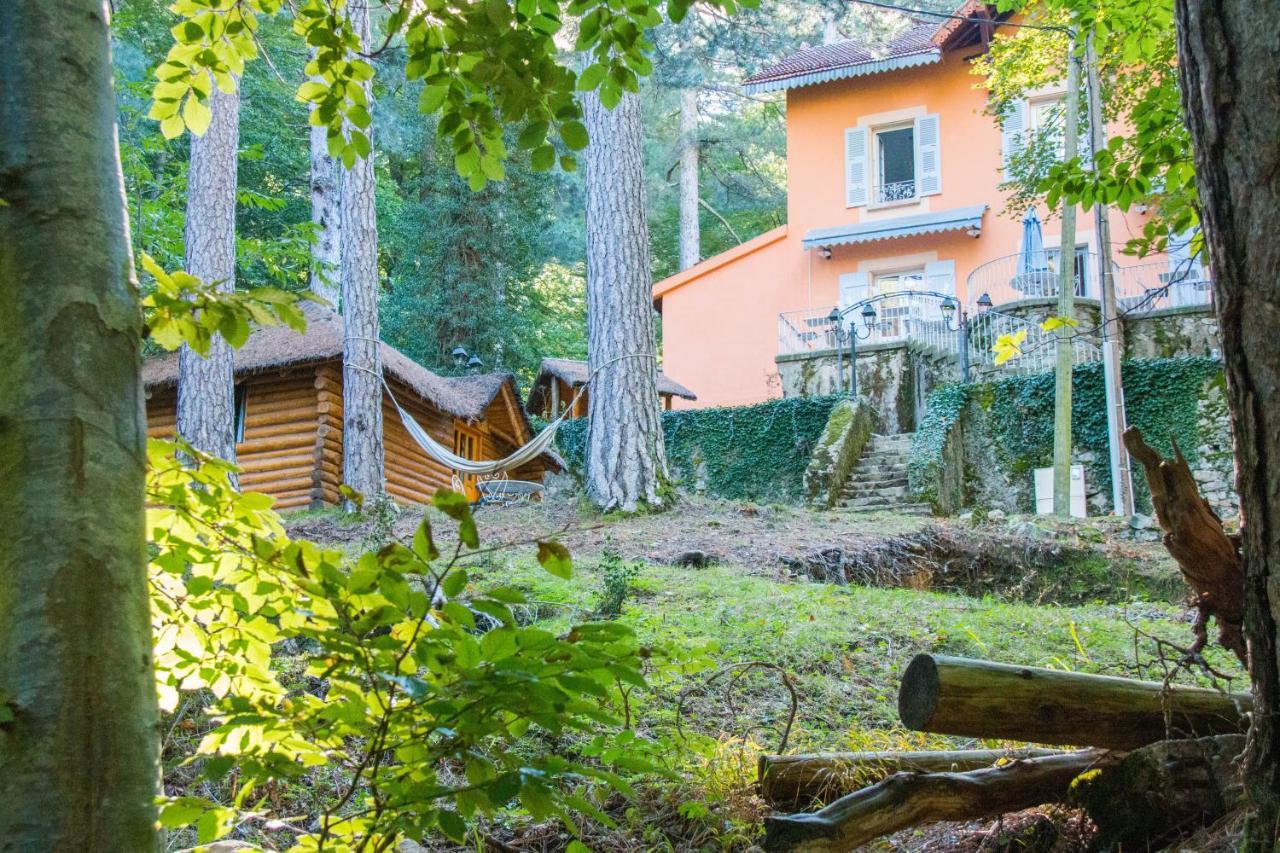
(975, 698)
(206, 384)
(690, 232)
(794, 781)
(1228, 64)
(1193, 534)
(362, 448)
(78, 721)
(908, 799)
(326, 216)
(1163, 791)
(626, 457)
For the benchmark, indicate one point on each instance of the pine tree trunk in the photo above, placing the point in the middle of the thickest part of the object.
(326, 216)
(206, 384)
(690, 237)
(362, 451)
(78, 739)
(1229, 66)
(626, 459)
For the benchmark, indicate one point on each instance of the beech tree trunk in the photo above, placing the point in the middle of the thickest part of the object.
(78, 738)
(690, 235)
(206, 384)
(362, 450)
(1229, 65)
(626, 457)
(326, 215)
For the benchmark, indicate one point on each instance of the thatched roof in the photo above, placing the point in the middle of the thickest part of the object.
(277, 347)
(576, 373)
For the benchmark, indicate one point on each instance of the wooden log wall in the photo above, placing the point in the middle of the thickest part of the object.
(279, 454)
(411, 475)
(292, 448)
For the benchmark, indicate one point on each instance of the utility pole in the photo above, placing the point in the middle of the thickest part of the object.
(1112, 333)
(1066, 303)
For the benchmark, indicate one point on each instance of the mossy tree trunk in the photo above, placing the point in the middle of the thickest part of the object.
(78, 738)
(1228, 63)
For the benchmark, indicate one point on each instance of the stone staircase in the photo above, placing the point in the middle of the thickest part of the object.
(878, 481)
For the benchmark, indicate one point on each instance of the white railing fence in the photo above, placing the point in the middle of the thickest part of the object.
(1156, 286)
(1039, 348)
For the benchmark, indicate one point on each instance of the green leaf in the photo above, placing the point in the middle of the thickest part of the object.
(423, 545)
(452, 825)
(196, 115)
(533, 134)
(574, 135)
(555, 558)
(591, 77)
(543, 158)
(458, 508)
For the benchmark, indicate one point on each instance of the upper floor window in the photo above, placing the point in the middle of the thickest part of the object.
(894, 163)
(1045, 116)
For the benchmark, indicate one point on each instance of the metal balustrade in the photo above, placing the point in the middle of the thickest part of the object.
(1039, 348)
(1003, 279)
(1143, 288)
(896, 191)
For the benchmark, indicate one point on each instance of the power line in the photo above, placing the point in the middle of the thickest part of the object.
(951, 17)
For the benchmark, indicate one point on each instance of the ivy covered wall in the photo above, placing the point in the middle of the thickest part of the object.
(1003, 429)
(755, 453)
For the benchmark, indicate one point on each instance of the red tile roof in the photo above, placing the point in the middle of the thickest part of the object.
(921, 44)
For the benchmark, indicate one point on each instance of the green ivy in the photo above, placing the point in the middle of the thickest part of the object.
(744, 452)
(924, 465)
(1161, 397)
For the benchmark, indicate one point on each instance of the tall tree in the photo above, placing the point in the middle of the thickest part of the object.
(206, 385)
(362, 451)
(326, 218)
(78, 737)
(1229, 66)
(690, 236)
(626, 456)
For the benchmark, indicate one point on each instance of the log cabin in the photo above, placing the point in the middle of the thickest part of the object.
(559, 379)
(288, 403)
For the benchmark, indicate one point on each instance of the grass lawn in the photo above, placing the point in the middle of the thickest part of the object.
(842, 647)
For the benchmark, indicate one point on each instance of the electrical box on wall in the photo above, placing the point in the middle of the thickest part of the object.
(1044, 491)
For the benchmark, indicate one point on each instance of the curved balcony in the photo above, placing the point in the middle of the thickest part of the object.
(1140, 288)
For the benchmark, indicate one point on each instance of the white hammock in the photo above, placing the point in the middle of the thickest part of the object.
(437, 451)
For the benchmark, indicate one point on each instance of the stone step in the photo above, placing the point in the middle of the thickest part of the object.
(871, 472)
(889, 478)
(882, 459)
(920, 509)
(889, 493)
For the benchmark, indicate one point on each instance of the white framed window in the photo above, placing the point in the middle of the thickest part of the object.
(895, 164)
(1053, 258)
(894, 315)
(1046, 115)
(892, 164)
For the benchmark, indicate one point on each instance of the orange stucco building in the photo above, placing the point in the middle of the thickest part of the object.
(893, 169)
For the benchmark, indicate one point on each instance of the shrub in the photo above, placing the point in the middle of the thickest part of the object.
(616, 577)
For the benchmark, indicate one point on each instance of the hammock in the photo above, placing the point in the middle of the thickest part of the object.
(437, 451)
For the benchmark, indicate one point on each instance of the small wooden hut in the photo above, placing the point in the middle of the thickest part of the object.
(289, 416)
(560, 378)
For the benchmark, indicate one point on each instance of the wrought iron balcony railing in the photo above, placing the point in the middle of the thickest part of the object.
(896, 191)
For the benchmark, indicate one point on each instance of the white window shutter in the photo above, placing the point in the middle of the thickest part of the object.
(854, 287)
(928, 156)
(939, 276)
(855, 167)
(1013, 129)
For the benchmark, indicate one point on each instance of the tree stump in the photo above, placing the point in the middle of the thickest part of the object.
(1208, 558)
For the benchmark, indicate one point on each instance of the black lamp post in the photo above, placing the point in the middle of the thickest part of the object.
(474, 364)
(459, 357)
(464, 361)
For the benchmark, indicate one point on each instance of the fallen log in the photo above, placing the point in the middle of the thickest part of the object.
(907, 799)
(1207, 557)
(976, 698)
(794, 781)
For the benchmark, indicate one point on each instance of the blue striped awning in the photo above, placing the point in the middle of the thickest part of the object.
(959, 219)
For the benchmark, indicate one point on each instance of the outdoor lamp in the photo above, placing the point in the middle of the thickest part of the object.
(474, 363)
(834, 317)
(868, 315)
(459, 356)
(984, 301)
(948, 308)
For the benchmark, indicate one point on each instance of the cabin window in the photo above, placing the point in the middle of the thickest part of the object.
(241, 408)
(895, 164)
(467, 444)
